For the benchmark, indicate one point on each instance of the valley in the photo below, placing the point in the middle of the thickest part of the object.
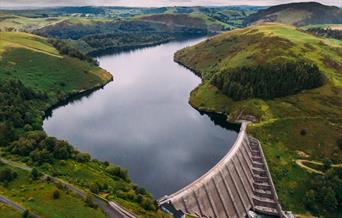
(128, 104)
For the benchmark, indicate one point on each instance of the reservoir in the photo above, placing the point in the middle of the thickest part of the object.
(142, 121)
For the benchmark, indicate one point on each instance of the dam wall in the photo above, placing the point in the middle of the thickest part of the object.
(238, 184)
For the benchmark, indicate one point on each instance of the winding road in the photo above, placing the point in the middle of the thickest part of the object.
(300, 162)
(111, 209)
(16, 206)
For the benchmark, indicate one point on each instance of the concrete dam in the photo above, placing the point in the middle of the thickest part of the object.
(237, 186)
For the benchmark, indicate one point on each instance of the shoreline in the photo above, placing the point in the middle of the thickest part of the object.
(74, 96)
(113, 50)
(126, 48)
(203, 110)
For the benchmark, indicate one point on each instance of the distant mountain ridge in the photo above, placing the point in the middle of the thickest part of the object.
(298, 14)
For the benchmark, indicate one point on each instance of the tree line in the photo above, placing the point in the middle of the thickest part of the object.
(21, 135)
(269, 80)
(116, 35)
(326, 32)
(324, 195)
(16, 111)
(65, 49)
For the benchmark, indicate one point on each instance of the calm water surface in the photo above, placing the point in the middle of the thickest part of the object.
(143, 122)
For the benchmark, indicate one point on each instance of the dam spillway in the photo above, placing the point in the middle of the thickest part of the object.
(239, 183)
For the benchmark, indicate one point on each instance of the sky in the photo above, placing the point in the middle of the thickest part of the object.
(150, 3)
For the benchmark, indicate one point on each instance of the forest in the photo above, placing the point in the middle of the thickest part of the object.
(65, 49)
(269, 80)
(325, 192)
(21, 135)
(326, 32)
(116, 35)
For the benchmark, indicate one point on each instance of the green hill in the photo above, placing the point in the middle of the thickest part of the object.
(130, 33)
(34, 76)
(305, 124)
(298, 14)
(194, 20)
(38, 65)
(262, 45)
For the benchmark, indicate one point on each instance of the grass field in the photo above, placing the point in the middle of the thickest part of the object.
(280, 121)
(8, 212)
(36, 195)
(19, 23)
(12, 22)
(84, 175)
(38, 65)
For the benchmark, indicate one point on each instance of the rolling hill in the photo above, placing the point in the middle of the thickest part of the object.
(35, 76)
(261, 45)
(305, 124)
(104, 29)
(298, 14)
(195, 20)
(31, 59)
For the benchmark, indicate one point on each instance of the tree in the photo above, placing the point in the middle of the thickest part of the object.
(62, 150)
(339, 142)
(328, 198)
(148, 204)
(26, 214)
(83, 157)
(268, 80)
(310, 200)
(141, 190)
(56, 194)
(324, 193)
(89, 201)
(6, 175)
(7, 133)
(34, 173)
(94, 188)
(117, 171)
(327, 164)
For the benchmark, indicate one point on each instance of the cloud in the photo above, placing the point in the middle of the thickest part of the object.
(148, 3)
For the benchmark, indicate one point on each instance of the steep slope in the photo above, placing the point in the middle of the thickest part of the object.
(298, 14)
(306, 125)
(39, 65)
(262, 45)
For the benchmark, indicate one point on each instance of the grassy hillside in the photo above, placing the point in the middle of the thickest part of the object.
(192, 20)
(306, 125)
(262, 44)
(298, 14)
(11, 21)
(94, 30)
(33, 77)
(132, 32)
(37, 196)
(39, 66)
(120, 35)
(9, 212)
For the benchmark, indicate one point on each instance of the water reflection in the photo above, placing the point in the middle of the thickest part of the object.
(142, 121)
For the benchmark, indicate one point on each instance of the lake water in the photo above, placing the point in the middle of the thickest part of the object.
(142, 121)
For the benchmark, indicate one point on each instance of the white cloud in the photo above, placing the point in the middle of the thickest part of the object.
(149, 3)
